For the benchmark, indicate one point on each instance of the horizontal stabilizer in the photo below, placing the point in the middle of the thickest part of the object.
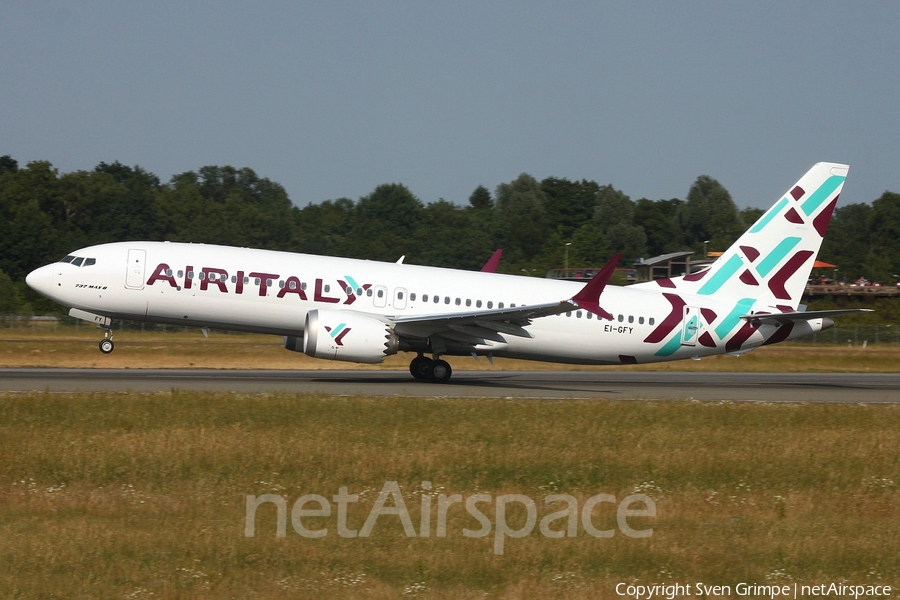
(808, 315)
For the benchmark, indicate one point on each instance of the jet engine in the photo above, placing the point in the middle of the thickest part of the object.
(345, 335)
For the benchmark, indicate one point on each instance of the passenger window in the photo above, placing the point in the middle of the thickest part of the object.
(478, 304)
(490, 304)
(578, 314)
(621, 318)
(446, 299)
(293, 285)
(458, 302)
(93, 261)
(468, 302)
(268, 283)
(369, 293)
(201, 276)
(640, 320)
(328, 288)
(590, 314)
(399, 295)
(437, 299)
(255, 280)
(499, 305)
(631, 318)
(412, 297)
(348, 290)
(234, 279)
(280, 283)
(424, 298)
(381, 293)
(191, 276)
(303, 285)
(77, 262)
(247, 280)
(568, 313)
(180, 274)
(650, 321)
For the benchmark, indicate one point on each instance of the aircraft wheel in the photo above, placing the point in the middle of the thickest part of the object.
(440, 371)
(418, 368)
(107, 346)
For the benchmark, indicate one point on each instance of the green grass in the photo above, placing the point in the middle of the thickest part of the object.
(125, 495)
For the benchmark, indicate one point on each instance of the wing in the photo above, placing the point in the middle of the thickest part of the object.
(481, 327)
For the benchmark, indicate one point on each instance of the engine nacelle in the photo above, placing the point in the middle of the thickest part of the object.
(345, 335)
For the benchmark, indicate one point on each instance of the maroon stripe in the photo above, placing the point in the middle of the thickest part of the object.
(778, 281)
(780, 334)
(672, 321)
(793, 217)
(750, 252)
(824, 218)
(738, 339)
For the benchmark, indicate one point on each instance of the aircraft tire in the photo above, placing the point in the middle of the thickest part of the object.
(418, 368)
(107, 346)
(440, 371)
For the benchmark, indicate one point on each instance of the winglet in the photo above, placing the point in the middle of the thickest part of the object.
(589, 296)
(491, 265)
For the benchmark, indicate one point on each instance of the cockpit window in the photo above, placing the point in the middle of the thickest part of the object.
(79, 261)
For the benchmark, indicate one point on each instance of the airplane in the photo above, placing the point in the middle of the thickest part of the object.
(363, 311)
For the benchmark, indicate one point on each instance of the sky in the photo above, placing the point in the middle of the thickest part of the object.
(331, 99)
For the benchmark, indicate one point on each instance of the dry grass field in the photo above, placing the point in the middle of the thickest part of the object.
(47, 345)
(144, 496)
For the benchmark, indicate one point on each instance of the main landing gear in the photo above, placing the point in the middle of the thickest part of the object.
(106, 344)
(426, 369)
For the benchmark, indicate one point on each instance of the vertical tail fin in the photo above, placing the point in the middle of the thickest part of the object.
(772, 260)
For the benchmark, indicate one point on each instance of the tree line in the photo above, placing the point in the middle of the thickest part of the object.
(45, 214)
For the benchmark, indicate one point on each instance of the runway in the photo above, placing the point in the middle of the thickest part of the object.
(554, 385)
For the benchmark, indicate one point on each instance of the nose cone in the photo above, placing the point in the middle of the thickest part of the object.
(41, 280)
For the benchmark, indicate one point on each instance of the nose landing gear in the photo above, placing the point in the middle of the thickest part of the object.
(433, 370)
(106, 344)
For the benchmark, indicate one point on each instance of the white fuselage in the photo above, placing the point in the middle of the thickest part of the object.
(271, 292)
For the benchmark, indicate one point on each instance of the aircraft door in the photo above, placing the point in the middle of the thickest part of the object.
(380, 300)
(134, 276)
(400, 298)
(692, 326)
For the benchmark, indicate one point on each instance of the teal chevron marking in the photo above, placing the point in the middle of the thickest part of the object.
(671, 346)
(351, 282)
(722, 275)
(734, 317)
(337, 330)
(822, 194)
(777, 255)
(769, 216)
